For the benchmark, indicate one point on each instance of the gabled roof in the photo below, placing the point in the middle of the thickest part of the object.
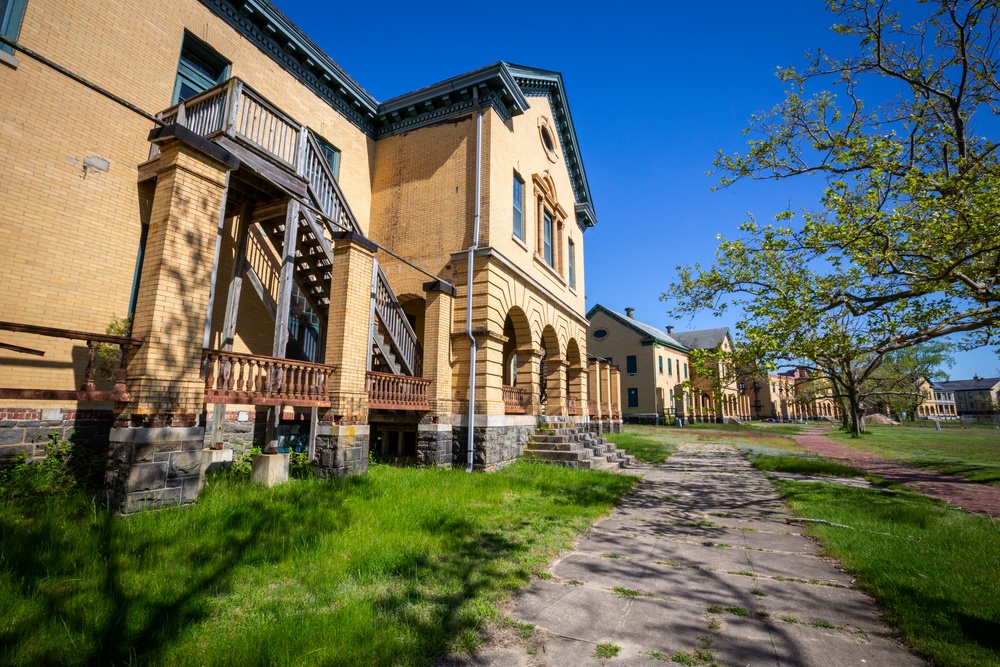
(704, 339)
(975, 384)
(503, 86)
(651, 333)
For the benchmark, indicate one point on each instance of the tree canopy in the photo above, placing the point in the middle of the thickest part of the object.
(904, 246)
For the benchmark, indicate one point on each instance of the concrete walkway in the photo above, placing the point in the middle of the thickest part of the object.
(698, 560)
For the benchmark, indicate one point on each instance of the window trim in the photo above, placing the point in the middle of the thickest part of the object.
(631, 364)
(518, 208)
(571, 263)
(188, 74)
(10, 27)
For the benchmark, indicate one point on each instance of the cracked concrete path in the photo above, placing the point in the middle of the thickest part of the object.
(698, 560)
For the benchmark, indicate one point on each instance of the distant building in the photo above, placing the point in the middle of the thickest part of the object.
(657, 377)
(938, 401)
(978, 397)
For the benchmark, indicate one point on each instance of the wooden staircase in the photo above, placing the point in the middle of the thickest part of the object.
(559, 441)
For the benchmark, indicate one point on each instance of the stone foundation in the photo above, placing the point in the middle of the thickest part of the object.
(434, 444)
(494, 446)
(341, 450)
(27, 431)
(244, 427)
(151, 467)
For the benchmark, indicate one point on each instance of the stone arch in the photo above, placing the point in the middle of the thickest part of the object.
(576, 379)
(517, 349)
(551, 373)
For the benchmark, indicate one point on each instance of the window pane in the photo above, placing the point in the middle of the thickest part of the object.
(572, 265)
(633, 397)
(11, 13)
(199, 69)
(630, 364)
(518, 208)
(547, 231)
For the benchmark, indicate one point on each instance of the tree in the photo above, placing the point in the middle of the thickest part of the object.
(896, 384)
(905, 246)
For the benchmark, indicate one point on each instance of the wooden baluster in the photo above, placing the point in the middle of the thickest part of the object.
(121, 375)
(209, 372)
(88, 374)
(230, 373)
(240, 381)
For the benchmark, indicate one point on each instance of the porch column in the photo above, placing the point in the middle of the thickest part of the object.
(342, 434)
(578, 388)
(594, 388)
(434, 432)
(529, 379)
(155, 447)
(555, 387)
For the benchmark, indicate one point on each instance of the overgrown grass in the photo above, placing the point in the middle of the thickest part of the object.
(972, 453)
(646, 446)
(775, 436)
(935, 570)
(802, 465)
(396, 567)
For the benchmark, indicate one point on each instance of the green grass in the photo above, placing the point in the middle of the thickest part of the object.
(802, 465)
(935, 570)
(396, 567)
(972, 453)
(648, 447)
(760, 435)
(607, 650)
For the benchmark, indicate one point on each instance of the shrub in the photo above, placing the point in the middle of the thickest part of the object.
(41, 475)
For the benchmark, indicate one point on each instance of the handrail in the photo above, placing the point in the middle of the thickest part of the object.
(252, 379)
(401, 335)
(396, 392)
(514, 400)
(325, 189)
(87, 391)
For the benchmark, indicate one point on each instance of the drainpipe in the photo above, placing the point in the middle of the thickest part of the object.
(468, 305)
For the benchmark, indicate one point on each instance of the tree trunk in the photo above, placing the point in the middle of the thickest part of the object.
(857, 414)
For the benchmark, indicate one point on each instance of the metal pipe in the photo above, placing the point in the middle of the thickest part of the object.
(468, 305)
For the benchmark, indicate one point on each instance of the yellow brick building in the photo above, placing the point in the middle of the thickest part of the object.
(294, 255)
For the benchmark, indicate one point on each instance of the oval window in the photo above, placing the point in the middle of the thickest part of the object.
(600, 333)
(547, 139)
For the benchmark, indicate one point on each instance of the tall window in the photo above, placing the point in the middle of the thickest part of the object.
(572, 265)
(670, 367)
(661, 364)
(685, 371)
(518, 207)
(547, 239)
(633, 397)
(331, 154)
(11, 13)
(199, 68)
(630, 365)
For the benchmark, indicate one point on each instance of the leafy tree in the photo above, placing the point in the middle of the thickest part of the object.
(905, 247)
(896, 384)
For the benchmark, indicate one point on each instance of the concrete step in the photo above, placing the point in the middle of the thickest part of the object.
(556, 455)
(559, 446)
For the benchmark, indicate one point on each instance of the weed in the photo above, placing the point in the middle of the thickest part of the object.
(742, 573)
(715, 609)
(699, 524)
(612, 556)
(820, 623)
(607, 650)
(714, 624)
(524, 630)
(544, 575)
(50, 474)
(738, 611)
(669, 561)
(723, 545)
(573, 582)
(788, 618)
(759, 593)
(626, 592)
(762, 614)
(656, 655)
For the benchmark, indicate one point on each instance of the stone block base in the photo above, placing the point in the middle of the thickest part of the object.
(434, 444)
(341, 450)
(214, 461)
(269, 469)
(151, 467)
(493, 446)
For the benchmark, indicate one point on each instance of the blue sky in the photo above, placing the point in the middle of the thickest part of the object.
(655, 89)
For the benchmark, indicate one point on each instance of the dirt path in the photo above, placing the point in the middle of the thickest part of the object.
(968, 495)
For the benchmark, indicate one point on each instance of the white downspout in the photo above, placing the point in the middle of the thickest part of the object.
(468, 305)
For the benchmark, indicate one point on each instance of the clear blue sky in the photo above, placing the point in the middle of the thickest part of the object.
(655, 88)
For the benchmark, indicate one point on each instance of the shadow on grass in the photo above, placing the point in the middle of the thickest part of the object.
(126, 588)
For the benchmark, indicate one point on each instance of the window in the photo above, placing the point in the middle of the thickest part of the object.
(670, 367)
(518, 207)
(547, 239)
(11, 13)
(630, 364)
(199, 69)
(572, 265)
(600, 333)
(633, 397)
(331, 154)
(685, 371)
(661, 364)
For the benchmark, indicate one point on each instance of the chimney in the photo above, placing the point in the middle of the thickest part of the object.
(629, 312)
(670, 328)
(975, 376)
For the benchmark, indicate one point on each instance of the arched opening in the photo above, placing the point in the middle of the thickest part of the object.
(551, 374)
(576, 388)
(518, 351)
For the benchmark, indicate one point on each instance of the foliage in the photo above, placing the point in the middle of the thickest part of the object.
(645, 448)
(110, 356)
(243, 458)
(47, 474)
(299, 465)
(896, 383)
(905, 245)
(397, 567)
(932, 568)
(803, 465)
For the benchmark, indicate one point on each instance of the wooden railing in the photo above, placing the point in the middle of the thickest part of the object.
(571, 407)
(402, 338)
(396, 392)
(238, 111)
(88, 391)
(249, 379)
(515, 400)
(592, 408)
(605, 413)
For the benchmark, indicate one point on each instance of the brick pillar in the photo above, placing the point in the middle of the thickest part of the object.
(155, 457)
(578, 388)
(528, 377)
(555, 388)
(342, 433)
(434, 432)
(489, 373)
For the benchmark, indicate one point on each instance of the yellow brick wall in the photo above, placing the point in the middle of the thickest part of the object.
(70, 242)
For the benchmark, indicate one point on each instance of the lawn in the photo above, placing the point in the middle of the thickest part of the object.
(972, 453)
(756, 435)
(934, 570)
(397, 567)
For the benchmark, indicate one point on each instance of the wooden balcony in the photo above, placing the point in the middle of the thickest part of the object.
(396, 392)
(515, 400)
(248, 379)
(87, 393)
